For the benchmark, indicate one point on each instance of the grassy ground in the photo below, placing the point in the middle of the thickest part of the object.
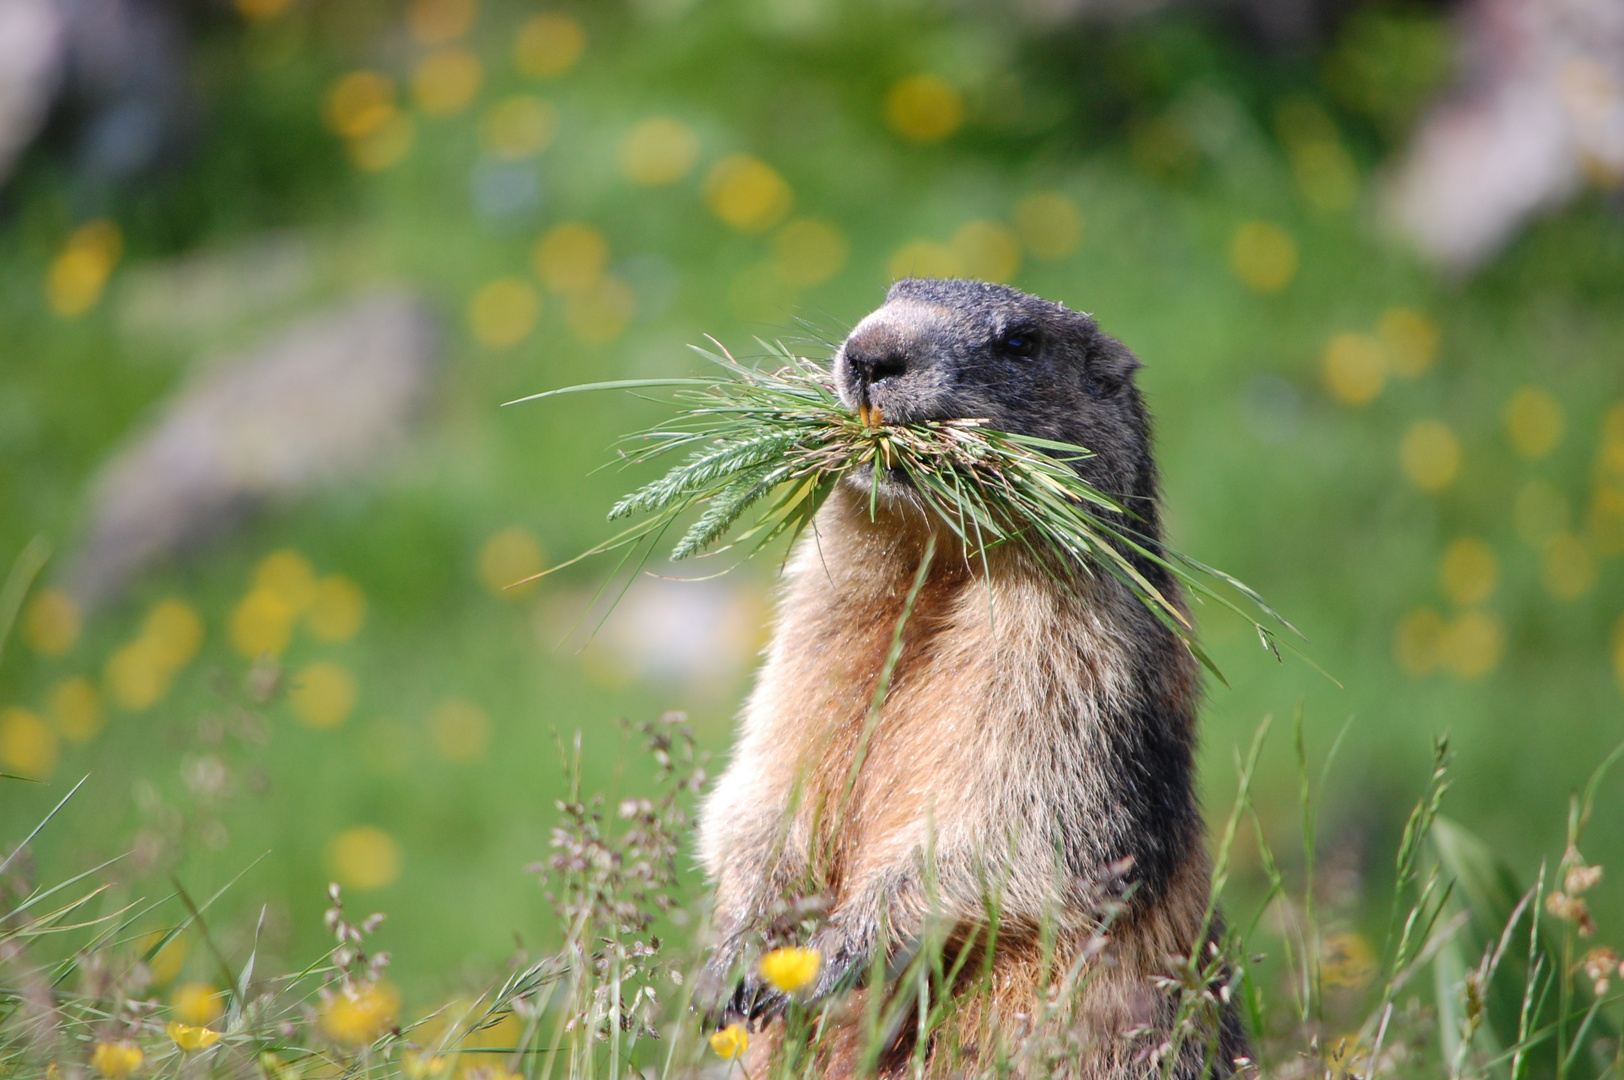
(1284, 458)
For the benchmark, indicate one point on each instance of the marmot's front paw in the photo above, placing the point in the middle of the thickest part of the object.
(755, 1001)
(841, 964)
(724, 995)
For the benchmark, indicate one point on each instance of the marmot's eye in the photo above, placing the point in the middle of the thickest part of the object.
(1018, 343)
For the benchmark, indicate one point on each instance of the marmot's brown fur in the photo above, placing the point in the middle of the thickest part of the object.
(1036, 737)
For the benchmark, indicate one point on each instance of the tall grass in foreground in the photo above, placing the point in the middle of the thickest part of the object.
(1517, 989)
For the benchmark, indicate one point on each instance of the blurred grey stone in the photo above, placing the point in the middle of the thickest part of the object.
(1540, 107)
(33, 52)
(207, 292)
(327, 400)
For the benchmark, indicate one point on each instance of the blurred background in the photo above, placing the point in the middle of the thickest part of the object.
(271, 267)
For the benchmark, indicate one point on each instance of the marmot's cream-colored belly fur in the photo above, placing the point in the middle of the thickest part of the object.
(1029, 767)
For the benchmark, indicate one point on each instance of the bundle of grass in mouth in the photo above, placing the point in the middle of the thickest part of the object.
(778, 438)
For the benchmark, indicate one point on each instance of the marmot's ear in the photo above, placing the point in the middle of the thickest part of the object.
(1110, 365)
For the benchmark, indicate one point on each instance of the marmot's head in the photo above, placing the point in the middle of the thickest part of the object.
(940, 350)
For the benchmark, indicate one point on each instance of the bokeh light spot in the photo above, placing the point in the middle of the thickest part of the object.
(290, 576)
(809, 252)
(747, 193)
(337, 610)
(658, 151)
(360, 103)
(262, 623)
(1534, 421)
(323, 694)
(196, 1002)
(1606, 523)
(261, 9)
(924, 108)
(1418, 641)
(1049, 223)
(600, 314)
(357, 1014)
(571, 257)
(1567, 567)
(1354, 368)
(1469, 571)
(174, 632)
(461, 730)
(925, 259)
(518, 127)
(77, 710)
(549, 45)
(1540, 512)
(78, 275)
(508, 557)
(1162, 147)
(1610, 461)
(1411, 340)
(386, 146)
(52, 624)
(135, 676)
(439, 22)
(364, 857)
(27, 743)
(503, 312)
(1473, 645)
(1263, 256)
(168, 961)
(1430, 454)
(987, 250)
(446, 82)
(1325, 173)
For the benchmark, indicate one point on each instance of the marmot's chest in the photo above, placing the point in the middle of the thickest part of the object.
(995, 688)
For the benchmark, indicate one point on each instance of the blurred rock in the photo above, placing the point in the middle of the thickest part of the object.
(205, 292)
(113, 72)
(32, 55)
(1538, 111)
(327, 400)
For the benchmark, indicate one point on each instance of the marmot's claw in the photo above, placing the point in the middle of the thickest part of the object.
(756, 1001)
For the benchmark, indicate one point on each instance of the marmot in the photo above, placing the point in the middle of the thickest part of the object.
(1035, 742)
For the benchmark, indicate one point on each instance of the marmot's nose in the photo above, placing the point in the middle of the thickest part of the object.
(869, 367)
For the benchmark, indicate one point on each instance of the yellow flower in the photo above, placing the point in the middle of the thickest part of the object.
(190, 1038)
(52, 623)
(116, 1059)
(747, 193)
(731, 1041)
(359, 1014)
(1264, 256)
(422, 1066)
(1050, 224)
(195, 1003)
(79, 273)
(924, 108)
(509, 558)
(549, 45)
(323, 694)
(337, 610)
(364, 857)
(790, 969)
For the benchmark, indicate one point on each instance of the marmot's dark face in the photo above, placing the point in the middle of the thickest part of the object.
(940, 350)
